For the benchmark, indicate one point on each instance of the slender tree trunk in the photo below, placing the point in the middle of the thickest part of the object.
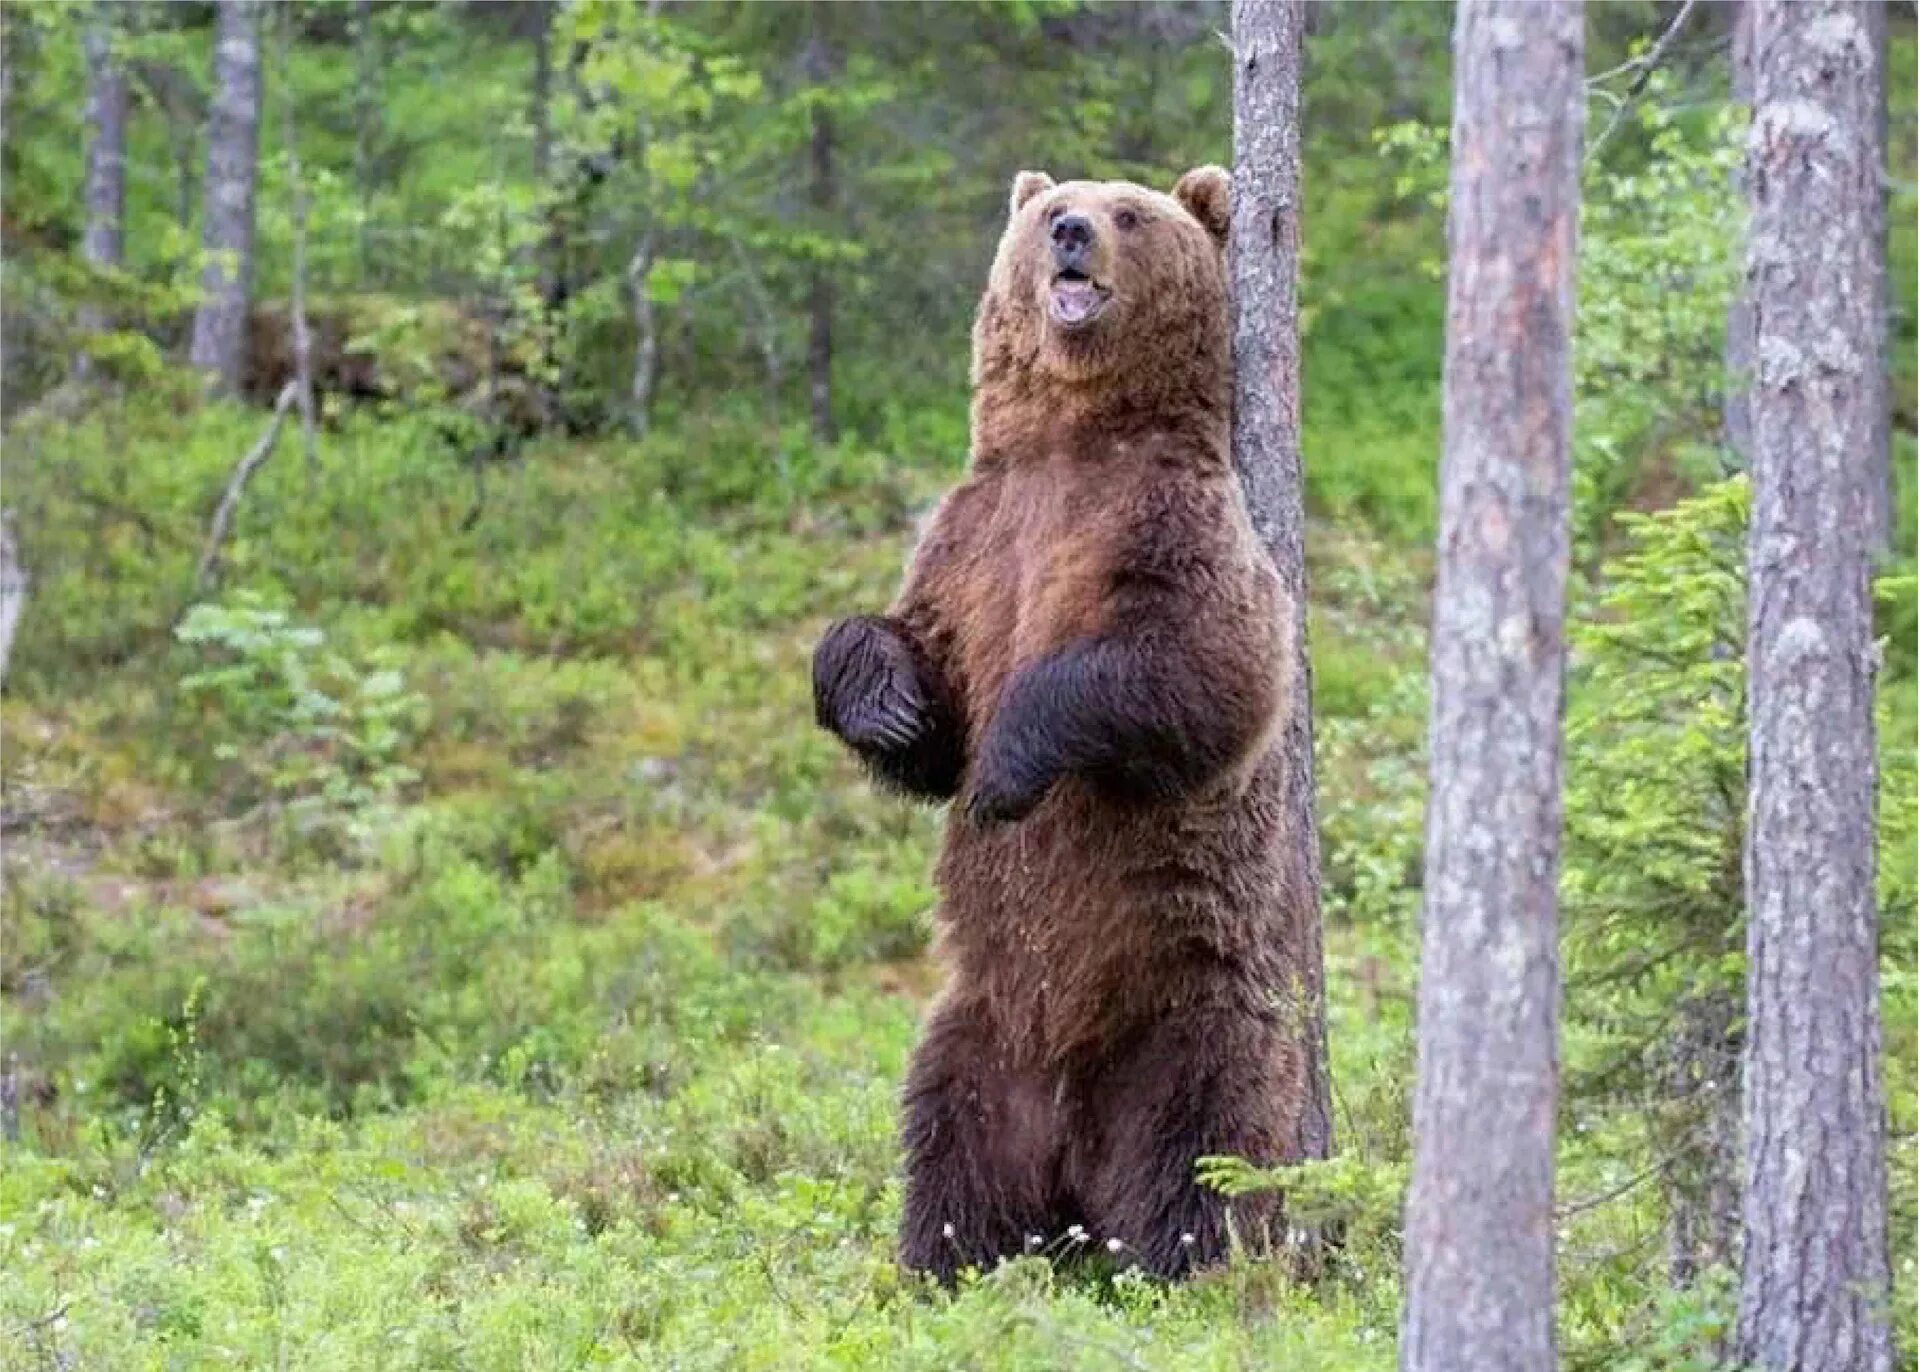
(820, 65)
(1479, 1231)
(233, 157)
(104, 242)
(1702, 1182)
(297, 187)
(1814, 1272)
(366, 121)
(13, 590)
(1264, 259)
(646, 344)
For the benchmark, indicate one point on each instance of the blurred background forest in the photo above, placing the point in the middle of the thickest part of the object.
(434, 933)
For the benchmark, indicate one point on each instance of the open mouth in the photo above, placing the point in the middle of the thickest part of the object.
(1077, 298)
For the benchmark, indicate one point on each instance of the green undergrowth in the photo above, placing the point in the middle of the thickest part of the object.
(449, 944)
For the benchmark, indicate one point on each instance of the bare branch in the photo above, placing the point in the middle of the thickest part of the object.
(1643, 67)
(237, 483)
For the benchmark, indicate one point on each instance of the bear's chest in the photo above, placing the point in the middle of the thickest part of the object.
(1043, 571)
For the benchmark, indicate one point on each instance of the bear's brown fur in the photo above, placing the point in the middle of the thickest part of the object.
(1087, 655)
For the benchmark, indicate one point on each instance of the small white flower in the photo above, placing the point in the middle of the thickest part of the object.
(1114, 1245)
(1076, 1233)
(1186, 1240)
(1033, 1241)
(946, 1231)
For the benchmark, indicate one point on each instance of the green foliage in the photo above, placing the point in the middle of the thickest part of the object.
(454, 948)
(318, 737)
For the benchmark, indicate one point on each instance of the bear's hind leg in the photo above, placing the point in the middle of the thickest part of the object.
(980, 1143)
(1196, 1085)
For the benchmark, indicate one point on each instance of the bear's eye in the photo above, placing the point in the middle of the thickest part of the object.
(1127, 219)
(1055, 213)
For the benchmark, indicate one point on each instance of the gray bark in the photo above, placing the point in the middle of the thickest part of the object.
(103, 243)
(13, 590)
(233, 147)
(1264, 259)
(297, 186)
(646, 345)
(1479, 1230)
(1814, 1271)
(1880, 487)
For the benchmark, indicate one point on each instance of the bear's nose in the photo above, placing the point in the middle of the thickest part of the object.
(1072, 233)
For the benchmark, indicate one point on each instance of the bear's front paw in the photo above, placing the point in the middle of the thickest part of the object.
(1008, 785)
(866, 687)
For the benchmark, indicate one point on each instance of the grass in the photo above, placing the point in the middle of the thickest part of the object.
(546, 1005)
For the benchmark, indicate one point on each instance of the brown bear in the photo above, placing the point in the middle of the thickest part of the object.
(1087, 656)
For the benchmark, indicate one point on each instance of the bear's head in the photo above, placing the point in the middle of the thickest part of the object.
(1099, 286)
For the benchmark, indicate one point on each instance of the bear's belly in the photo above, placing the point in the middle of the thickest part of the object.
(1090, 920)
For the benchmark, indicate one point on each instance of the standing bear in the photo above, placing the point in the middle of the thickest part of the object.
(1087, 657)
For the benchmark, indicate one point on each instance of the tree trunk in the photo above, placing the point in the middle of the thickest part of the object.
(1264, 260)
(1814, 1279)
(820, 195)
(1479, 1231)
(1702, 1181)
(296, 185)
(13, 590)
(1701, 1178)
(541, 112)
(1880, 489)
(366, 120)
(646, 343)
(233, 156)
(104, 241)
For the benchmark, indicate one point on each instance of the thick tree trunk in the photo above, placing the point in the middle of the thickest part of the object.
(233, 158)
(1479, 1231)
(1264, 258)
(1814, 1278)
(820, 195)
(104, 242)
(1880, 489)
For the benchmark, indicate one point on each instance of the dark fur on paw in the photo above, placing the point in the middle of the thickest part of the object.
(866, 687)
(871, 687)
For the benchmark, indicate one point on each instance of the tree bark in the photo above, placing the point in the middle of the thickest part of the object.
(1479, 1231)
(233, 156)
(13, 591)
(1814, 1273)
(297, 311)
(103, 244)
(646, 343)
(820, 65)
(1264, 262)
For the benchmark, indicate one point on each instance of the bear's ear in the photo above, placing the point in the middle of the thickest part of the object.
(1207, 193)
(1025, 186)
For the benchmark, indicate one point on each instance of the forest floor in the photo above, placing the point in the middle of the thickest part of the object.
(467, 954)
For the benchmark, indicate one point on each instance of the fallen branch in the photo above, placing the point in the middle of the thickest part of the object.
(237, 483)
